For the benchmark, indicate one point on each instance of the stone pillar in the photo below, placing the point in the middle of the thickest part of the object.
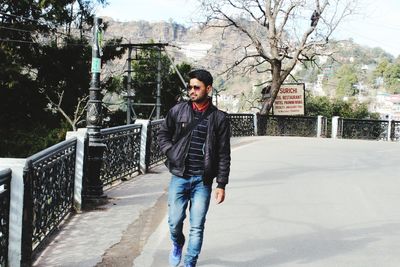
(79, 165)
(319, 126)
(255, 123)
(335, 127)
(16, 214)
(143, 144)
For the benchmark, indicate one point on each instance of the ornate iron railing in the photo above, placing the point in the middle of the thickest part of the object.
(324, 127)
(242, 124)
(153, 154)
(287, 125)
(5, 181)
(339, 133)
(395, 131)
(48, 193)
(363, 129)
(122, 155)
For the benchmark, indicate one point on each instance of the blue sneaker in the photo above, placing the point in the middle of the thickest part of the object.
(175, 255)
(190, 265)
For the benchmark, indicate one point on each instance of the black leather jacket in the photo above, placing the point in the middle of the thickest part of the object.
(217, 152)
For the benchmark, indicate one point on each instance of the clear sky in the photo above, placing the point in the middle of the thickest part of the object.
(376, 25)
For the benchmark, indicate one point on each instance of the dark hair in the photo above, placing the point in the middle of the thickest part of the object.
(201, 75)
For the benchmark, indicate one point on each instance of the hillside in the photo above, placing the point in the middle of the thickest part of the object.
(199, 48)
(211, 50)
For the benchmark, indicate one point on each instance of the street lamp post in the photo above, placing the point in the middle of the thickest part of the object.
(93, 187)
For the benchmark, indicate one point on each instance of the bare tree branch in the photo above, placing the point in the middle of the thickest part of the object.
(56, 105)
(280, 37)
(285, 19)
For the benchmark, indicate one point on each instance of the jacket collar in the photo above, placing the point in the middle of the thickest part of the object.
(203, 108)
(210, 107)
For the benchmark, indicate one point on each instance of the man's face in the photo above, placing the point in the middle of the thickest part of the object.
(197, 91)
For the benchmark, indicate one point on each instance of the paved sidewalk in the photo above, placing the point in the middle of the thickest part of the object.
(290, 202)
(113, 234)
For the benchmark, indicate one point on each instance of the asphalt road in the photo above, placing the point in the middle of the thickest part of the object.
(301, 202)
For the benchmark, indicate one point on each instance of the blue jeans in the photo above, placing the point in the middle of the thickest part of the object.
(181, 192)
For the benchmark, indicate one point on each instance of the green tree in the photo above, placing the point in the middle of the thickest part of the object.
(390, 72)
(322, 105)
(381, 68)
(391, 78)
(43, 65)
(63, 76)
(346, 78)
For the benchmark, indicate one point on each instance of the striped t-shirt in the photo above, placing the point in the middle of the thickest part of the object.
(194, 163)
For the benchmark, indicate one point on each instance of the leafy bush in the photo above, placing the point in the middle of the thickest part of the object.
(24, 143)
(322, 105)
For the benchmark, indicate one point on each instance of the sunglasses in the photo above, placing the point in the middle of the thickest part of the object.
(195, 87)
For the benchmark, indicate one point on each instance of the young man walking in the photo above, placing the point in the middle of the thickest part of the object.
(195, 137)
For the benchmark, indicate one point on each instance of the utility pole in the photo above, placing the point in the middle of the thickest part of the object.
(92, 185)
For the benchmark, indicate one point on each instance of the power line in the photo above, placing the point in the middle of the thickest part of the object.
(76, 44)
(31, 42)
(395, 28)
(16, 29)
(368, 38)
(32, 31)
(45, 23)
(16, 41)
(20, 17)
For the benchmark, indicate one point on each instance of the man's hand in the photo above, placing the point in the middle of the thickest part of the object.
(219, 195)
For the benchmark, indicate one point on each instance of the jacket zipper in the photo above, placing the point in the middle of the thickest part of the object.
(188, 145)
(206, 146)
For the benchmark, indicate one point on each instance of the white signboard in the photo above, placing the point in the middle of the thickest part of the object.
(290, 100)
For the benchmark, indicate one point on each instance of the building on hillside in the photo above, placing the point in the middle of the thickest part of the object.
(229, 103)
(387, 105)
(317, 87)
